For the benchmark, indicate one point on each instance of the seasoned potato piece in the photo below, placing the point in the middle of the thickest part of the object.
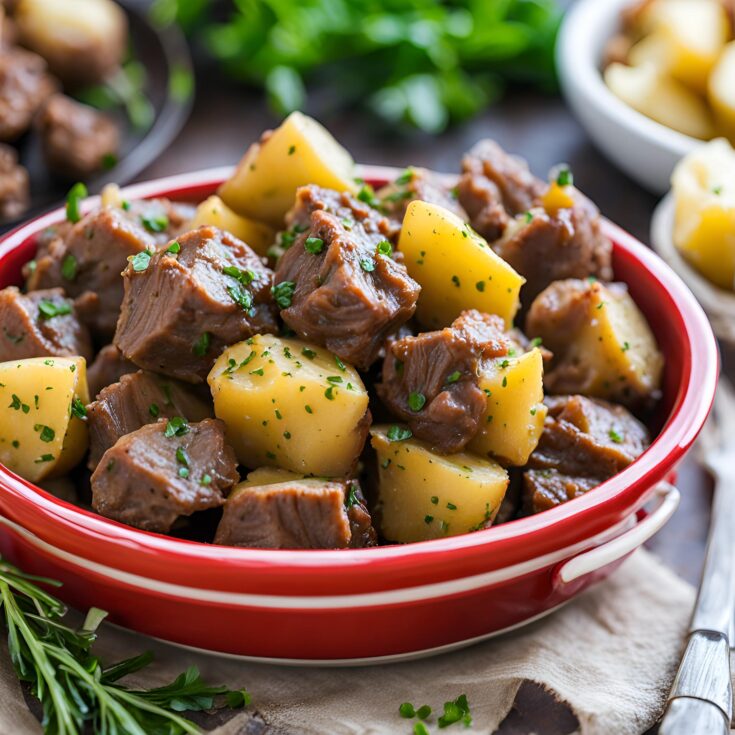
(664, 99)
(214, 211)
(514, 418)
(601, 342)
(456, 268)
(703, 186)
(721, 91)
(424, 495)
(82, 41)
(651, 49)
(42, 399)
(289, 404)
(297, 153)
(693, 33)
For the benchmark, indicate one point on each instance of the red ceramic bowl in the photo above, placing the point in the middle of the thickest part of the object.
(370, 604)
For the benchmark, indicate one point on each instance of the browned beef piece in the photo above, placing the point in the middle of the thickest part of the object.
(137, 399)
(495, 186)
(40, 323)
(182, 309)
(438, 373)
(297, 514)
(584, 442)
(554, 245)
(340, 293)
(87, 260)
(162, 471)
(15, 194)
(108, 367)
(24, 85)
(76, 139)
(419, 183)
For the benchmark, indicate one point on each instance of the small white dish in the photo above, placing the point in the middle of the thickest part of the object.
(646, 150)
(718, 303)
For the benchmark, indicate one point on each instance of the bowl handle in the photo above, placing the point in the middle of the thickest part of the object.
(589, 561)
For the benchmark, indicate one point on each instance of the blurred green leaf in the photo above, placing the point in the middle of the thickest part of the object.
(285, 89)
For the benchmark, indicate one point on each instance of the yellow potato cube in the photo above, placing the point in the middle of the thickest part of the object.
(455, 267)
(289, 404)
(215, 212)
(297, 153)
(721, 91)
(513, 421)
(42, 431)
(425, 495)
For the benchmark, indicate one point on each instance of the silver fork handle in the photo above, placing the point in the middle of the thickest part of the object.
(690, 716)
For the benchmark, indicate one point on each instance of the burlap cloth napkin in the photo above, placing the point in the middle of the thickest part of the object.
(610, 655)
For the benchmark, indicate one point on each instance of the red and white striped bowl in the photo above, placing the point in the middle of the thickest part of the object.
(379, 604)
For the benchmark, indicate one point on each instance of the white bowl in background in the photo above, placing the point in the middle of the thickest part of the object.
(646, 150)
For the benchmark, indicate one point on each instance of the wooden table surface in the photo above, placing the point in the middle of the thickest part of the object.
(226, 118)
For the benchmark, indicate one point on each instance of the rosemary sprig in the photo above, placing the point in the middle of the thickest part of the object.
(75, 689)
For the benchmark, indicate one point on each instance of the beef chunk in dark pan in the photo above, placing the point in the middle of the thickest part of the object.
(77, 140)
(139, 398)
(108, 367)
(182, 306)
(419, 183)
(15, 194)
(495, 186)
(24, 85)
(162, 471)
(308, 513)
(431, 381)
(554, 242)
(339, 287)
(40, 323)
(585, 441)
(88, 259)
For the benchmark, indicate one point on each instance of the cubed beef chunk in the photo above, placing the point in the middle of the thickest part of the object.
(431, 381)
(162, 471)
(40, 323)
(108, 367)
(551, 244)
(76, 139)
(24, 85)
(182, 308)
(309, 513)
(137, 399)
(494, 187)
(338, 286)
(88, 258)
(585, 441)
(419, 183)
(15, 194)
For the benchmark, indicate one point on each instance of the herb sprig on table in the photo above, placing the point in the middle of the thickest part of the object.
(423, 62)
(77, 691)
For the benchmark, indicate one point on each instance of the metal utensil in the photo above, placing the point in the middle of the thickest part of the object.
(700, 702)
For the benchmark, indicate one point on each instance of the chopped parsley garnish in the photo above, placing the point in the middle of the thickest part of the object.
(423, 712)
(177, 426)
(615, 436)
(351, 498)
(367, 195)
(258, 371)
(141, 261)
(44, 458)
(454, 377)
(283, 293)
(241, 297)
(154, 222)
(329, 393)
(398, 433)
(455, 281)
(73, 198)
(536, 342)
(48, 309)
(456, 711)
(420, 729)
(564, 176)
(416, 401)
(308, 408)
(174, 248)
(314, 245)
(428, 519)
(246, 277)
(47, 434)
(384, 248)
(334, 379)
(291, 150)
(206, 479)
(17, 405)
(405, 178)
(717, 190)
(434, 499)
(69, 267)
(407, 710)
(340, 364)
(306, 352)
(625, 347)
(451, 506)
(367, 264)
(480, 286)
(182, 457)
(202, 345)
(78, 409)
(154, 411)
(528, 216)
(184, 472)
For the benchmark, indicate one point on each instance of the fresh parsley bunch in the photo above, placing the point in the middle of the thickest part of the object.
(423, 62)
(76, 690)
